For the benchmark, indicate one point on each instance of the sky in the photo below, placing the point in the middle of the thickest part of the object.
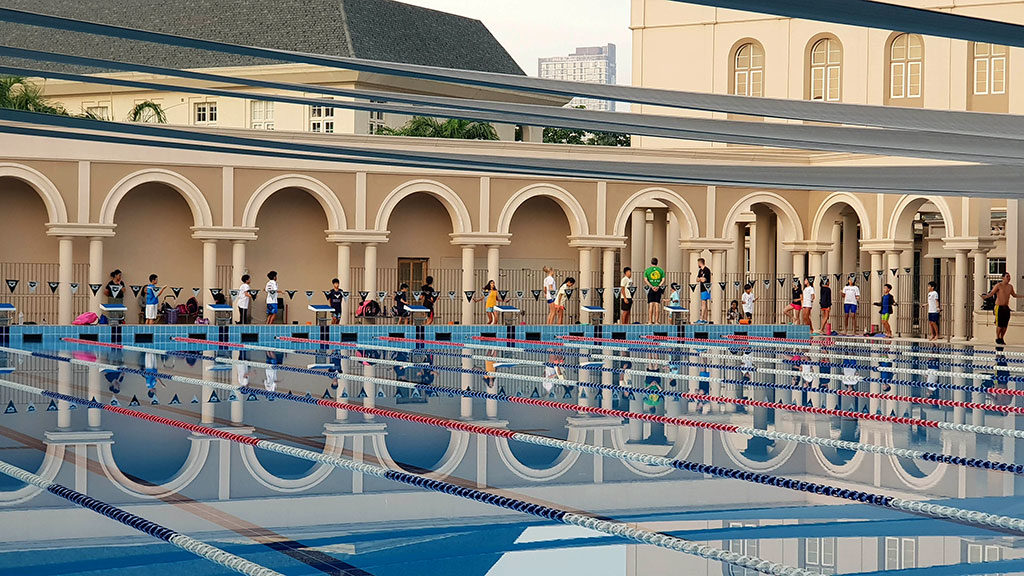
(531, 29)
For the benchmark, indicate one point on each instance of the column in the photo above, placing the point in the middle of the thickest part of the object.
(493, 264)
(835, 256)
(736, 255)
(648, 239)
(607, 282)
(468, 257)
(209, 271)
(799, 269)
(96, 274)
(345, 279)
(960, 296)
(370, 270)
(1015, 243)
(876, 286)
(586, 275)
(660, 234)
(694, 294)
(762, 245)
(892, 259)
(65, 309)
(816, 264)
(638, 223)
(980, 282)
(850, 243)
(237, 269)
(673, 255)
(717, 294)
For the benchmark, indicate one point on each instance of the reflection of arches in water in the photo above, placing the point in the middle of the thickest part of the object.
(130, 443)
(686, 439)
(559, 465)
(415, 448)
(311, 476)
(756, 454)
(835, 463)
(918, 474)
(199, 452)
(52, 460)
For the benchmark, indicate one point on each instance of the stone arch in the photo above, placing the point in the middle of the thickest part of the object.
(688, 224)
(56, 211)
(789, 219)
(574, 212)
(831, 207)
(900, 227)
(320, 191)
(201, 213)
(461, 221)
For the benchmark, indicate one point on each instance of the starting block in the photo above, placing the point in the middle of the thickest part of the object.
(678, 314)
(221, 314)
(509, 314)
(420, 314)
(596, 314)
(323, 313)
(115, 313)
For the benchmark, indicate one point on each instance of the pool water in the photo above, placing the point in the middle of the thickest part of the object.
(721, 403)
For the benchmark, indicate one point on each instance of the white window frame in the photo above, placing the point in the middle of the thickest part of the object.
(987, 64)
(376, 118)
(828, 73)
(101, 111)
(208, 111)
(905, 67)
(261, 115)
(322, 119)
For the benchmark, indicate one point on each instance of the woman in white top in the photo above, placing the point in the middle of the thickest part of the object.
(549, 293)
(851, 298)
(242, 301)
(562, 299)
(808, 303)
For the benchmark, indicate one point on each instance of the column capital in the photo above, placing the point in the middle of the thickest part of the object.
(358, 236)
(809, 246)
(969, 243)
(596, 241)
(72, 229)
(481, 239)
(224, 233)
(701, 244)
(882, 246)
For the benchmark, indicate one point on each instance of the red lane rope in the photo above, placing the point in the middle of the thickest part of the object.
(419, 418)
(183, 425)
(211, 342)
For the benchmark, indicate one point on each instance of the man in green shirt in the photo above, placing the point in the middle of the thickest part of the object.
(654, 277)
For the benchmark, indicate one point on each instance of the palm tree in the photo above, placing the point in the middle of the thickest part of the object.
(19, 93)
(450, 128)
(147, 111)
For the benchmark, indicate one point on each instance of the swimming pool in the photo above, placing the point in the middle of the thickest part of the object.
(507, 450)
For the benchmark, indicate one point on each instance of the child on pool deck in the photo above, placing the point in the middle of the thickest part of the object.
(887, 306)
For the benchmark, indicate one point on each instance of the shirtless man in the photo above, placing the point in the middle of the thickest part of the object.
(1002, 292)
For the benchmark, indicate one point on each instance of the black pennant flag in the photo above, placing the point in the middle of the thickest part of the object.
(906, 270)
(291, 293)
(838, 277)
(53, 287)
(381, 294)
(693, 287)
(216, 291)
(451, 294)
(616, 291)
(879, 272)
(32, 286)
(735, 284)
(600, 292)
(767, 283)
(536, 294)
(812, 279)
(253, 293)
(782, 282)
(233, 293)
(12, 284)
(417, 294)
(647, 289)
(867, 275)
(363, 294)
(584, 291)
(195, 292)
(309, 295)
(469, 295)
(568, 292)
(721, 285)
(632, 290)
(95, 288)
(894, 270)
(327, 294)
(136, 289)
(520, 294)
(344, 294)
(74, 287)
(503, 294)
(176, 291)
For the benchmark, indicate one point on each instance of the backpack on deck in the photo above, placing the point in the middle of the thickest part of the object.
(192, 306)
(369, 308)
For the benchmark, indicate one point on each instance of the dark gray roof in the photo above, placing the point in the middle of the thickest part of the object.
(372, 29)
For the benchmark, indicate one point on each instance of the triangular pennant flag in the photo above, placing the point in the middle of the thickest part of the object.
(216, 292)
(309, 295)
(195, 292)
(536, 294)
(568, 292)
(600, 292)
(381, 294)
(53, 287)
(520, 294)
(416, 393)
(327, 393)
(838, 277)
(74, 287)
(567, 394)
(194, 400)
(631, 396)
(114, 401)
(632, 290)
(270, 398)
(134, 401)
(251, 397)
(501, 391)
(616, 395)
(417, 294)
(10, 408)
(31, 407)
(344, 294)
(583, 393)
(735, 284)
(155, 401)
(52, 407)
(290, 293)
(174, 400)
(584, 291)
(309, 394)
(451, 294)
(503, 294)
(906, 270)
(362, 393)
(469, 295)
(232, 397)
(93, 399)
(782, 282)
(693, 287)
(535, 393)
(214, 399)
(12, 284)
(647, 289)
(767, 283)
(176, 290)
(363, 294)
(233, 294)
(879, 272)
(253, 293)
(812, 278)
(721, 285)
(380, 393)
(616, 291)
(327, 294)
(136, 289)
(894, 270)
(73, 407)
(32, 286)
(867, 275)
(95, 288)
(344, 393)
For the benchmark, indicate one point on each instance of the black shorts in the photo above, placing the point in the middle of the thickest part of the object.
(654, 296)
(626, 305)
(1002, 316)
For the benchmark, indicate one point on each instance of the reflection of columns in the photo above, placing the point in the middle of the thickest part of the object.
(370, 401)
(673, 255)
(64, 376)
(96, 275)
(466, 402)
(493, 264)
(64, 276)
(586, 274)
(95, 393)
(468, 256)
(876, 285)
(607, 282)
(345, 277)
(370, 270)
(850, 243)
(835, 256)
(638, 223)
(717, 294)
(209, 271)
(960, 296)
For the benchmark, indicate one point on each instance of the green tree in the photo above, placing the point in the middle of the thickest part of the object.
(451, 128)
(147, 111)
(19, 93)
(584, 137)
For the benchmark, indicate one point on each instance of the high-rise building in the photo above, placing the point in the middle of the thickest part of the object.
(595, 64)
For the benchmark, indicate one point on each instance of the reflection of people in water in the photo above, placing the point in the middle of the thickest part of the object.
(150, 373)
(553, 371)
(271, 380)
(114, 378)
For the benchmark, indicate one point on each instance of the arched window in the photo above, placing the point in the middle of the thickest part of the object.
(989, 68)
(748, 76)
(826, 70)
(905, 67)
